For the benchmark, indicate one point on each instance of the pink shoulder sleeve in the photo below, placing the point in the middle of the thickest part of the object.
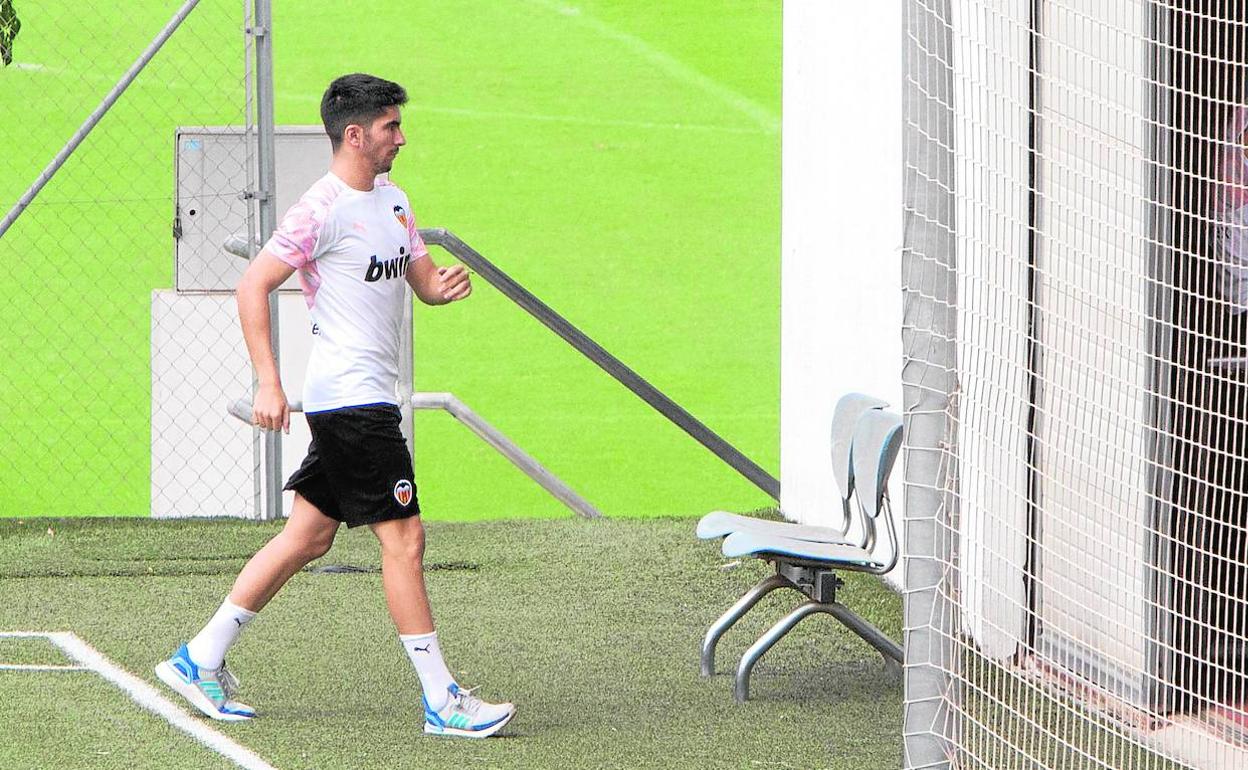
(296, 239)
(418, 244)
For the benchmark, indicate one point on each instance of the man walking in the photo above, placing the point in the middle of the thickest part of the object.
(354, 242)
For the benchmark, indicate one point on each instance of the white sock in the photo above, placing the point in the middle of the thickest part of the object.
(208, 647)
(426, 658)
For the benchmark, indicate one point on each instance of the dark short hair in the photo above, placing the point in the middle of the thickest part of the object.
(357, 99)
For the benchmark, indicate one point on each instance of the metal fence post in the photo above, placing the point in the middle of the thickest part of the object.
(266, 196)
(929, 334)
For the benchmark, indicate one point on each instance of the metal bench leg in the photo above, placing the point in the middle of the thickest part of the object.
(873, 636)
(734, 613)
(741, 688)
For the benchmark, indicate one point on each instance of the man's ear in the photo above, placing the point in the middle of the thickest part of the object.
(353, 135)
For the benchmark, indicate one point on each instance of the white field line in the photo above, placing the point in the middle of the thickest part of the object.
(432, 109)
(678, 70)
(146, 696)
(541, 117)
(584, 121)
(97, 77)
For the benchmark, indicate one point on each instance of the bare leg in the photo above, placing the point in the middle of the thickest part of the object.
(308, 534)
(449, 710)
(402, 574)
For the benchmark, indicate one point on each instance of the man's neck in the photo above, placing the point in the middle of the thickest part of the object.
(357, 176)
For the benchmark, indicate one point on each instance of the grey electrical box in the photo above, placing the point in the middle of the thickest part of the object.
(215, 173)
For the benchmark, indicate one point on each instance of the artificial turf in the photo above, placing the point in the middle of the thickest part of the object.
(592, 627)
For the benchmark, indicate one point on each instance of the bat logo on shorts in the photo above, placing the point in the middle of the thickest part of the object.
(403, 492)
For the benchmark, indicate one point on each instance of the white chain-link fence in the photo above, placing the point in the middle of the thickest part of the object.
(120, 349)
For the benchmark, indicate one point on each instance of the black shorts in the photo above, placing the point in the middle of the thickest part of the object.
(358, 469)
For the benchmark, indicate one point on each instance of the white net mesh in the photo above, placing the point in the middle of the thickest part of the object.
(1076, 286)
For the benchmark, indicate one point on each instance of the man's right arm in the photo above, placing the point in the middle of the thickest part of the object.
(266, 272)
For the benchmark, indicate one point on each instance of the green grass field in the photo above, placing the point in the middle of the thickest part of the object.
(620, 159)
(592, 627)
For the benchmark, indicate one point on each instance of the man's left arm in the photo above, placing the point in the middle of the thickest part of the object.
(437, 285)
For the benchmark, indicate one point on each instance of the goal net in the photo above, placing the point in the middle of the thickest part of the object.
(1076, 285)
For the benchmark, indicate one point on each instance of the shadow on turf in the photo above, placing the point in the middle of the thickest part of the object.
(806, 681)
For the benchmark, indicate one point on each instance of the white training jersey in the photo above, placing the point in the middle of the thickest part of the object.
(351, 249)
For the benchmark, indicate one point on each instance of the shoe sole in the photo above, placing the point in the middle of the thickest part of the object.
(167, 674)
(486, 733)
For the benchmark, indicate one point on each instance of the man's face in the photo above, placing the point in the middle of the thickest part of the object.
(382, 140)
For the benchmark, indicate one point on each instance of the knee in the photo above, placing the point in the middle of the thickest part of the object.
(311, 548)
(409, 545)
(318, 547)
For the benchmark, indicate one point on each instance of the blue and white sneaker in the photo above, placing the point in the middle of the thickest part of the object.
(467, 715)
(212, 692)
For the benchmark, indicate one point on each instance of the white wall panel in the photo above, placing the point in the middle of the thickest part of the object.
(841, 264)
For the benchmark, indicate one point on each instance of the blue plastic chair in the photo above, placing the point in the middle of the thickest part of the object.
(849, 408)
(809, 566)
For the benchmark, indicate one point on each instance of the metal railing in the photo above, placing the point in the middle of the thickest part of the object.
(447, 402)
(609, 363)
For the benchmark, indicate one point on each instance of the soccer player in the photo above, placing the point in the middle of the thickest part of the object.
(353, 239)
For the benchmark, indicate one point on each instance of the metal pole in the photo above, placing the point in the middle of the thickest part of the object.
(930, 724)
(249, 248)
(507, 448)
(95, 116)
(407, 378)
(262, 31)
